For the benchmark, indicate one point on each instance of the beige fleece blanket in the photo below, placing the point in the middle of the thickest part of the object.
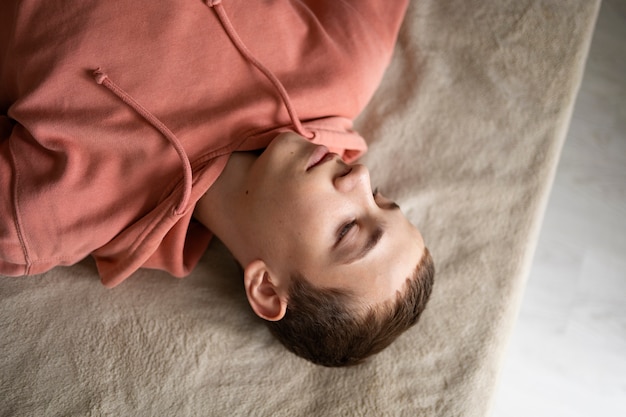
(465, 134)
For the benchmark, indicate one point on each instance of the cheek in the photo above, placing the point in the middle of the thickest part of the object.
(301, 221)
(300, 209)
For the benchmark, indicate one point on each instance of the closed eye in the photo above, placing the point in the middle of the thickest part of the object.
(344, 230)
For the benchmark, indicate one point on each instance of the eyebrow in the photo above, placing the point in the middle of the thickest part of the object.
(370, 244)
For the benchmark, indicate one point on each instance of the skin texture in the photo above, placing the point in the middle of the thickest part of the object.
(279, 216)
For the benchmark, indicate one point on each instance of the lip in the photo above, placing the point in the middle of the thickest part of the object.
(319, 155)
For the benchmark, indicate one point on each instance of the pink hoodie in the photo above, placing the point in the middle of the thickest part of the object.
(114, 170)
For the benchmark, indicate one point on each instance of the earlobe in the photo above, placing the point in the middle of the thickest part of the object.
(263, 293)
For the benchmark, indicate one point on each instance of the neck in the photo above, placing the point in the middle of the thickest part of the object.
(220, 207)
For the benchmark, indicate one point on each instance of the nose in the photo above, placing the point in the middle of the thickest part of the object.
(358, 178)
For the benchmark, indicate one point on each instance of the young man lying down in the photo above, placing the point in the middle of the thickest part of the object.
(134, 131)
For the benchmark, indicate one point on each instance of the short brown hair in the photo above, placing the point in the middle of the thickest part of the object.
(320, 326)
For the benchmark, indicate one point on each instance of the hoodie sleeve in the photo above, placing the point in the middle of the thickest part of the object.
(33, 237)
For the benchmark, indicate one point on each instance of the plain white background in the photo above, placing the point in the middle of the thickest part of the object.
(567, 355)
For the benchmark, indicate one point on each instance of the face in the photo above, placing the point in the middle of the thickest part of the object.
(311, 213)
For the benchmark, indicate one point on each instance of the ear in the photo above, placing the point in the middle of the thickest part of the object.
(264, 295)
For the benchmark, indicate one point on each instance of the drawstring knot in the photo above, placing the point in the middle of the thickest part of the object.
(99, 76)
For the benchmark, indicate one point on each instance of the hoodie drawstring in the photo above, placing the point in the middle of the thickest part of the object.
(103, 79)
(245, 52)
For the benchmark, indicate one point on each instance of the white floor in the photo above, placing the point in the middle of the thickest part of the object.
(567, 356)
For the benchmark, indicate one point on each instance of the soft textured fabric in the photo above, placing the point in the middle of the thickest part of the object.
(464, 133)
(85, 172)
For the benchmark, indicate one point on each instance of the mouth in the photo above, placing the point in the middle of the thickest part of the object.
(319, 155)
